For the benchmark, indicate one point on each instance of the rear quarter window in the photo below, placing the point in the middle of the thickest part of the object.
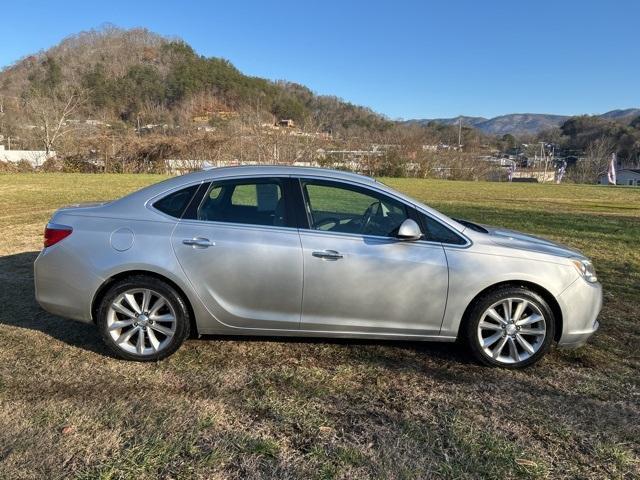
(176, 203)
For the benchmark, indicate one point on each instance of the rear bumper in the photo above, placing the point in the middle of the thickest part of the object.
(580, 303)
(64, 285)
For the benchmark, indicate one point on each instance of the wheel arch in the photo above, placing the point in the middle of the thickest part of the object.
(543, 292)
(102, 290)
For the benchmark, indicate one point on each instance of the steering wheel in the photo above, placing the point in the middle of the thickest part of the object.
(333, 221)
(368, 215)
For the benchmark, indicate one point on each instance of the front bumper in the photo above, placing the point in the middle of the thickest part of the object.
(580, 303)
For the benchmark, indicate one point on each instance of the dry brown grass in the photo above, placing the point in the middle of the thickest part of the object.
(231, 408)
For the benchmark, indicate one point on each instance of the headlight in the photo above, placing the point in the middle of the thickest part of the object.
(585, 267)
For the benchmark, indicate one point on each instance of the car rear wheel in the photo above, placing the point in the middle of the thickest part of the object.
(143, 318)
(512, 327)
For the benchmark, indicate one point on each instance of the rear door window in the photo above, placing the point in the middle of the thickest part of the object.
(251, 202)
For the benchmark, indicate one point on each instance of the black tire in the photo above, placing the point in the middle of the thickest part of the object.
(171, 296)
(470, 333)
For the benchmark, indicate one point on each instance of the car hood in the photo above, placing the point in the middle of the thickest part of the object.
(523, 241)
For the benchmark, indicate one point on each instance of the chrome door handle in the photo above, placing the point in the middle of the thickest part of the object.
(328, 254)
(198, 242)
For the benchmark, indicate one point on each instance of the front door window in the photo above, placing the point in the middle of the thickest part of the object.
(342, 208)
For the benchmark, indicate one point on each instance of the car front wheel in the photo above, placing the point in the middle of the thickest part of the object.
(512, 327)
(143, 318)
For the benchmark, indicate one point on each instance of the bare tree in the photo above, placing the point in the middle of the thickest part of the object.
(50, 114)
(595, 161)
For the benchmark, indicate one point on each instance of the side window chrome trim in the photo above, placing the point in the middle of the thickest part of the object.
(252, 226)
(150, 201)
(357, 236)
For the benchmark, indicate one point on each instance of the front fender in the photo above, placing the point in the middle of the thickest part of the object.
(471, 272)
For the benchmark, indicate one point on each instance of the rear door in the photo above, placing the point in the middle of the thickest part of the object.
(241, 251)
(358, 277)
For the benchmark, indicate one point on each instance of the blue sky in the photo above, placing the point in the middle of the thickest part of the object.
(405, 59)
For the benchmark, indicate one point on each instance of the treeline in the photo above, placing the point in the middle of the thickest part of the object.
(588, 143)
(579, 133)
(127, 100)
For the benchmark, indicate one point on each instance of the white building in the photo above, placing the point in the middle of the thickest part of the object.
(626, 176)
(35, 157)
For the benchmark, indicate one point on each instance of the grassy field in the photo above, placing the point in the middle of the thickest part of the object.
(225, 408)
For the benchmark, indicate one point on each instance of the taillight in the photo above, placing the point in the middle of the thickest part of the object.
(54, 233)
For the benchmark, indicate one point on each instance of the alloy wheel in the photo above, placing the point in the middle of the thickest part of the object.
(512, 330)
(141, 321)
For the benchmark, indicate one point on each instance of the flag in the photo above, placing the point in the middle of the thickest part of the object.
(560, 171)
(611, 173)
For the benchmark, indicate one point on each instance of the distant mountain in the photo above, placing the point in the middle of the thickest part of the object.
(625, 115)
(523, 123)
(468, 121)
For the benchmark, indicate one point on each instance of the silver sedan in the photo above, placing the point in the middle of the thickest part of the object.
(308, 252)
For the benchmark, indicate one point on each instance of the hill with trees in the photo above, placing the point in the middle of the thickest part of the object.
(135, 76)
(123, 100)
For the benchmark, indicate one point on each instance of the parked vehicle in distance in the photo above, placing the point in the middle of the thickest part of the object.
(286, 251)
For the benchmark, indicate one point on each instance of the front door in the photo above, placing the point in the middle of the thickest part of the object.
(241, 255)
(358, 277)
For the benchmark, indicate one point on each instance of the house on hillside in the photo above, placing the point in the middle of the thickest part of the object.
(626, 176)
(286, 122)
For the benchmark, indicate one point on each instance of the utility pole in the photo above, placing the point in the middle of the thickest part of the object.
(460, 132)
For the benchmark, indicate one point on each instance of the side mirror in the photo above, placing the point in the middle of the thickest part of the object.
(409, 231)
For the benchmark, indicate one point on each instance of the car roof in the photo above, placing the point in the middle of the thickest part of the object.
(251, 170)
